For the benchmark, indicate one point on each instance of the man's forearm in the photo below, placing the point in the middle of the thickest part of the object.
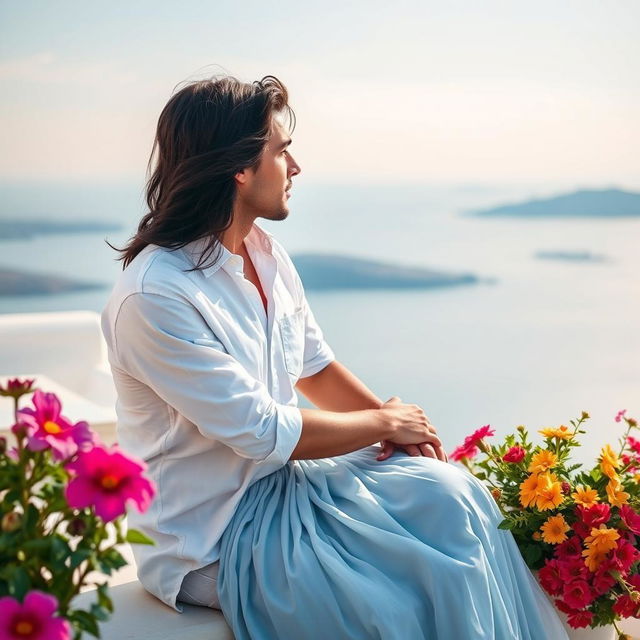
(335, 388)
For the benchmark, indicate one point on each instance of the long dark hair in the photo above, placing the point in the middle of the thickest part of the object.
(208, 131)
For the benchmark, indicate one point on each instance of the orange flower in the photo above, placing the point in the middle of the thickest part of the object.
(549, 495)
(616, 494)
(609, 462)
(593, 559)
(585, 495)
(529, 490)
(554, 530)
(542, 461)
(562, 432)
(602, 539)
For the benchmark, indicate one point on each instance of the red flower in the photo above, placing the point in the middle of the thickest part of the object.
(594, 515)
(515, 454)
(580, 619)
(626, 459)
(571, 548)
(573, 569)
(581, 529)
(630, 518)
(564, 607)
(602, 580)
(16, 388)
(625, 555)
(550, 579)
(625, 607)
(578, 594)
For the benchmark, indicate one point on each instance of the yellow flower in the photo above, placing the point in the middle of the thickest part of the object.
(542, 461)
(554, 530)
(602, 539)
(609, 461)
(529, 490)
(616, 494)
(549, 494)
(585, 495)
(562, 432)
(636, 478)
(593, 558)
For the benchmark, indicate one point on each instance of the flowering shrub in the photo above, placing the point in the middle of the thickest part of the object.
(63, 496)
(578, 528)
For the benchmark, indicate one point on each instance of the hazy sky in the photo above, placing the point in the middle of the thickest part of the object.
(475, 92)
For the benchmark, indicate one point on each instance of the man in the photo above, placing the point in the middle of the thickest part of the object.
(206, 360)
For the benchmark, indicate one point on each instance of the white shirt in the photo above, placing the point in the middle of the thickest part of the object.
(205, 381)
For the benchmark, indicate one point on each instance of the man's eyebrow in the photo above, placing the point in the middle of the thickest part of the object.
(285, 144)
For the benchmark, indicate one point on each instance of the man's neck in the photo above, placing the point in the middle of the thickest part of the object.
(233, 238)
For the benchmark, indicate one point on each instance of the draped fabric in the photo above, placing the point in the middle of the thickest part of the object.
(351, 548)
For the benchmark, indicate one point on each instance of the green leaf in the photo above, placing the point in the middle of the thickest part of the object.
(137, 537)
(85, 621)
(19, 583)
(99, 613)
(506, 524)
(103, 597)
(78, 557)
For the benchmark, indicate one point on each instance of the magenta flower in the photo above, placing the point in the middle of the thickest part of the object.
(47, 428)
(108, 480)
(478, 434)
(32, 619)
(467, 451)
(16, 388)
(630, 518)
(634, 444)
(515, 454)
(620, 415)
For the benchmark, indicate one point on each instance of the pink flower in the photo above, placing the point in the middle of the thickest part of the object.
(515, 454)
(464, 451)
(550, 579)
(634, 444)
(580, 619)
(33, 619)
(620, 415)
(630, 518)
(46, 427)
(478, 434)
(108, 480)
(577, 594)
(627, 459)
(602, 580)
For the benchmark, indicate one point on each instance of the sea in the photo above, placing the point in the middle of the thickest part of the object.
(535, 342)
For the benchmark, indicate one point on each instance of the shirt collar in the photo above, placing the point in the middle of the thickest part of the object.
(257, 237)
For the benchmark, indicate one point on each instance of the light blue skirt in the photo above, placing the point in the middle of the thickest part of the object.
(350, 548)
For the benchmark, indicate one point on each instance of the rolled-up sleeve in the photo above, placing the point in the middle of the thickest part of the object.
(317, 353)
(166, 344)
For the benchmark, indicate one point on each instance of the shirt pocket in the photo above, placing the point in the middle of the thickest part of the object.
(292, 334)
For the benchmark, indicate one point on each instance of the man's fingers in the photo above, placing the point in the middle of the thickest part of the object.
(412, 449)
(427, 450)
(387, 449)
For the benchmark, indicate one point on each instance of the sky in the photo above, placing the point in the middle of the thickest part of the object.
(462, 92)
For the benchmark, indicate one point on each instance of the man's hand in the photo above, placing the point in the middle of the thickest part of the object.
(424, 449)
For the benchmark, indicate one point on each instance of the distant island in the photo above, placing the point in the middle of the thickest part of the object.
(571, 256)
(26, 229)
(326, 271)
(24, 283)
(587, 203)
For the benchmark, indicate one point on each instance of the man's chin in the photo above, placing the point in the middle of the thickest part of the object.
(282, 214)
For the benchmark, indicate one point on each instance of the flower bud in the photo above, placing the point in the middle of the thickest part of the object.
(537, 535)
(520, 428)
(634, 595)
(566, 488)
(11, 521)
(77, 527)
(19, 430)
(3, 445)
(585, 416)
(632, 422)
(496, 493)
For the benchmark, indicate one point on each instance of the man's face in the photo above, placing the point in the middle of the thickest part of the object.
(264, 191)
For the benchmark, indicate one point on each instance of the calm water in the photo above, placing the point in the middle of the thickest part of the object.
(535, 344)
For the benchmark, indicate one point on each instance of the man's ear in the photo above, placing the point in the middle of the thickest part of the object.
(241, 177)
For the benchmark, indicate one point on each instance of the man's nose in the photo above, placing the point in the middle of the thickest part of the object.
(294, 167)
